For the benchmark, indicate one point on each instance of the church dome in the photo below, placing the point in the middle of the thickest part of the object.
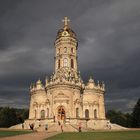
(66, 31)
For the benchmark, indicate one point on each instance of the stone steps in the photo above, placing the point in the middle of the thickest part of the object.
(84, 129)
(69, 128)
(57, 128)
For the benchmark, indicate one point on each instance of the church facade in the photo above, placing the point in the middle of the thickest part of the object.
(65, 96)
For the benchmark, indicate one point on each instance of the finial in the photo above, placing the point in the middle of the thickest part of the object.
(46, 79)
(103, 84)
(91, 79)
(65, 20)
(38, 81)
(98, 83)
(31, 86)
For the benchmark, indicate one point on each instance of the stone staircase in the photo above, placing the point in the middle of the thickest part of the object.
(69, 128)
(84, 129)
(57, 128)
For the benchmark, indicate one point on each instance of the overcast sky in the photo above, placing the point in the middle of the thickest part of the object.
(108, 33)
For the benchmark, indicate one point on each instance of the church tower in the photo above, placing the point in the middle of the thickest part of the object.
(66, 51)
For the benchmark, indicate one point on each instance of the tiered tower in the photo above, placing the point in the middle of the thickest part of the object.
(66, 56)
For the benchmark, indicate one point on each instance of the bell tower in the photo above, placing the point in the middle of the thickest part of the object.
(66, 48)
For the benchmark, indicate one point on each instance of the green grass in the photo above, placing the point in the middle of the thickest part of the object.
(7, 133)
(112, 135)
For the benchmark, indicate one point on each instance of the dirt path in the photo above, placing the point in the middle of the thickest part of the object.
(31, 136)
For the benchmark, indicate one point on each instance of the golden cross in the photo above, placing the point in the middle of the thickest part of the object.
(65, 20)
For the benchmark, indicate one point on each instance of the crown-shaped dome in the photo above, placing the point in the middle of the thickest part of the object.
(66, 31)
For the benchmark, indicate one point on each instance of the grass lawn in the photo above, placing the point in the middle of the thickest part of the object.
(112, 135)
(6, 133)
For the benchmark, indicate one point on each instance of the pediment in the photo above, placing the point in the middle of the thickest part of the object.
(61, 95)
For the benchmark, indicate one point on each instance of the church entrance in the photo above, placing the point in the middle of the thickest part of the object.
(61, 113)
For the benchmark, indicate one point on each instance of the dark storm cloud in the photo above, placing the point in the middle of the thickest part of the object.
(109, 46)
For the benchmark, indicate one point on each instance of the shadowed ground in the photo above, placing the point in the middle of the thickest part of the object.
(6, 133)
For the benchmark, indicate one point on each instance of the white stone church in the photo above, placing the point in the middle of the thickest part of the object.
(65, 96)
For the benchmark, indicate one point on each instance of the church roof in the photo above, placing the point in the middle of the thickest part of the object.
(66, 30)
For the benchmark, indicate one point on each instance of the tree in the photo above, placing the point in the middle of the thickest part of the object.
(7, 117)
(126, 119)
(22, 114)
(119, 118)
(129, 120)
(136, 115)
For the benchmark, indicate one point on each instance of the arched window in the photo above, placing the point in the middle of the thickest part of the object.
(72, 50)
(72, 63)
(35, 114)
(86, 113)
(58, 50)
(65, 50)
(42, 114)
(65, 62)
(59, 63)
(77, 112)
(95, 113)
(47, 112)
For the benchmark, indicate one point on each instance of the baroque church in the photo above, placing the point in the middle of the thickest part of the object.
(65, 97)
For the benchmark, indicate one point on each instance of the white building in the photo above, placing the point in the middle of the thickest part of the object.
(65, 96)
